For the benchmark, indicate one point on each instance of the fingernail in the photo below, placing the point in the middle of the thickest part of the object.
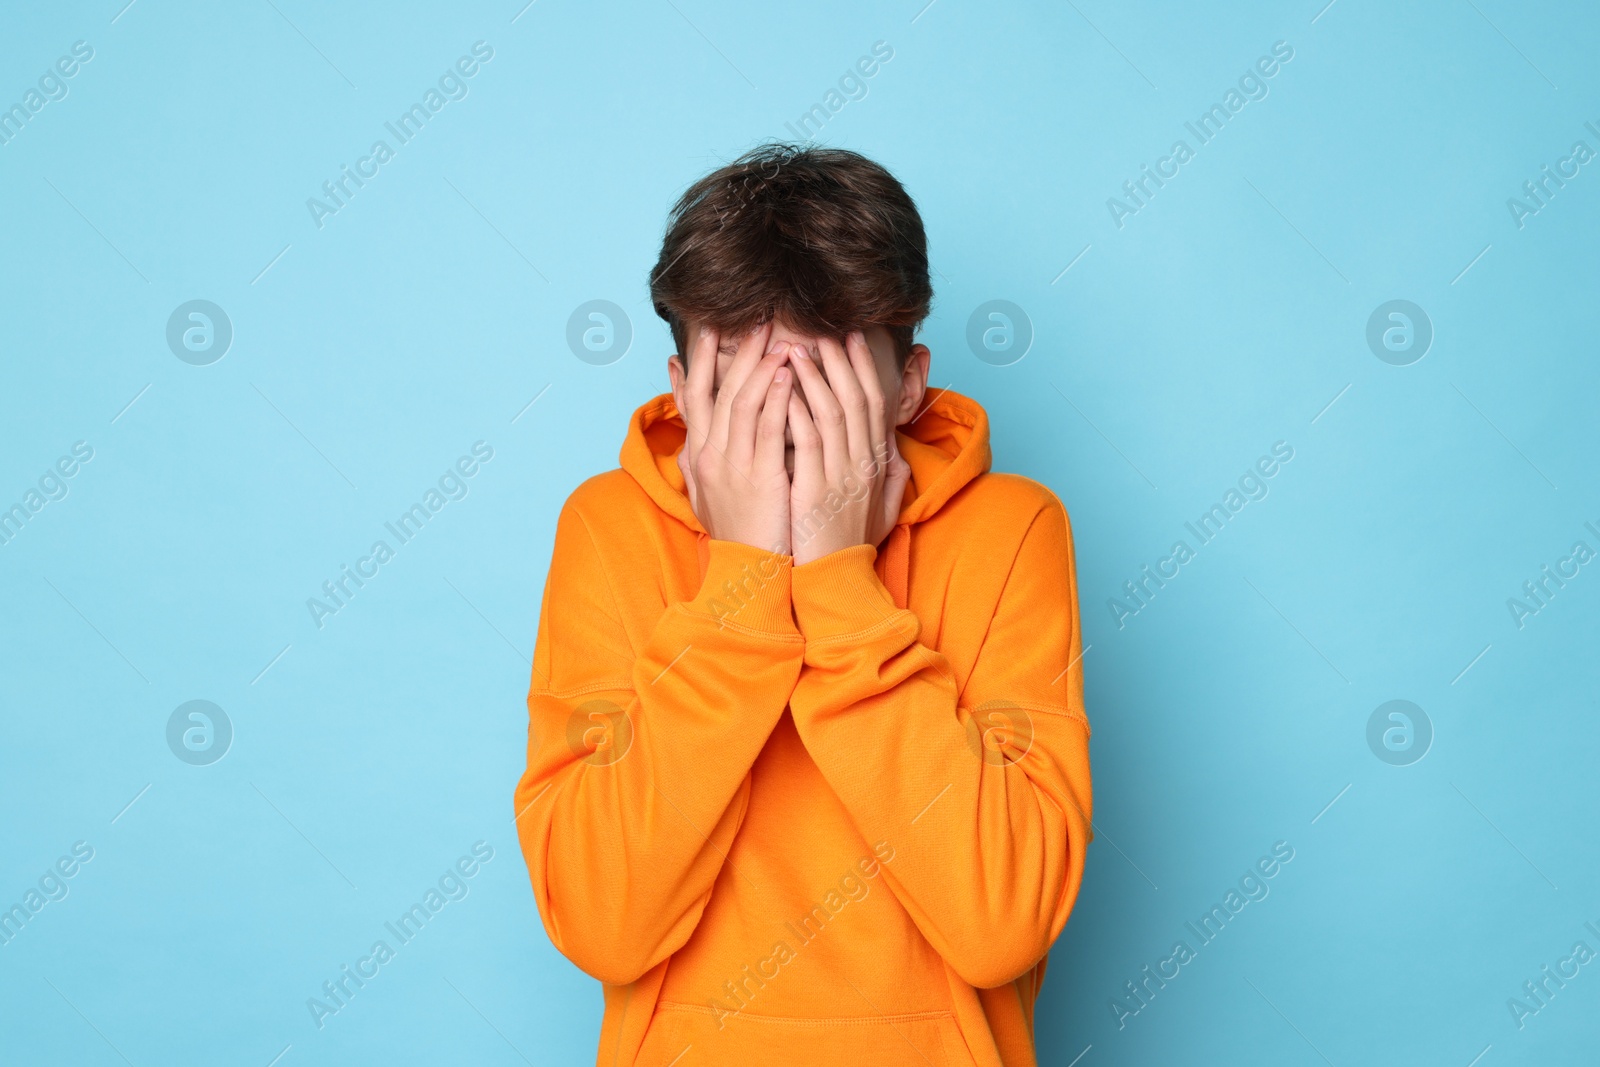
(782, 375)
(778, 349)
(858, 337)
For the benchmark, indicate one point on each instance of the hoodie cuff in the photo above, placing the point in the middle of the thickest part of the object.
(746, 588)
(840, 594)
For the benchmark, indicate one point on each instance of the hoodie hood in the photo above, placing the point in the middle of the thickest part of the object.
(947, 446)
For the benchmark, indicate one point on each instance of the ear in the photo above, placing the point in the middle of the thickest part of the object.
(678, 374)
(913, 384)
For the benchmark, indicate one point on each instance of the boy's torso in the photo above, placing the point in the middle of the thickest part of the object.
(803, 945)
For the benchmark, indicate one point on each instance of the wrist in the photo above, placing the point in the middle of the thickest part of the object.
(839, 594)
(818, 533)
(810, 551)
(747, 587)
(767, 534)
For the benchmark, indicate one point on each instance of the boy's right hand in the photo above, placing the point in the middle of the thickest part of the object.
(732, 458)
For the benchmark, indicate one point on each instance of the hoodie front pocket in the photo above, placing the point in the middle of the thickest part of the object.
(703, 1037)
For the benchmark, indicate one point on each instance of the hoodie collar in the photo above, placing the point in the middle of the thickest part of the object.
(650, 453)
(947, 446)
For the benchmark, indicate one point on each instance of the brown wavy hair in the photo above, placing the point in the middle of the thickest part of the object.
(823, 238)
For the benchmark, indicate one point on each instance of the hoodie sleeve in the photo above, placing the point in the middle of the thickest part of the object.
(982, 789)
(638, 760)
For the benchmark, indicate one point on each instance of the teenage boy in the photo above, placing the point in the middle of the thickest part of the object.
(808, 776)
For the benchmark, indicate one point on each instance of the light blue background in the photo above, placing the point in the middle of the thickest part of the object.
(369, 354)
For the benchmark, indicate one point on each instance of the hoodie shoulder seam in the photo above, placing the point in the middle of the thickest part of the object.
(584, 690)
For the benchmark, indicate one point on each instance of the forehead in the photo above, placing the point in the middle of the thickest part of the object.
(729, 340)
(878, 337)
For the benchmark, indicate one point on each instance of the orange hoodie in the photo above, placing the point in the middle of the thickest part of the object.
(825, 814)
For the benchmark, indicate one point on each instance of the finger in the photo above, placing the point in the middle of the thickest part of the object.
(752, 346)
(826, 414)
(847, 388)
(774, 416)
(807, 443)
(697, 391)
(866, 368)
(747, 406)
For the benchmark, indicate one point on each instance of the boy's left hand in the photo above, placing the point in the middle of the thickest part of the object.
(849, 477)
